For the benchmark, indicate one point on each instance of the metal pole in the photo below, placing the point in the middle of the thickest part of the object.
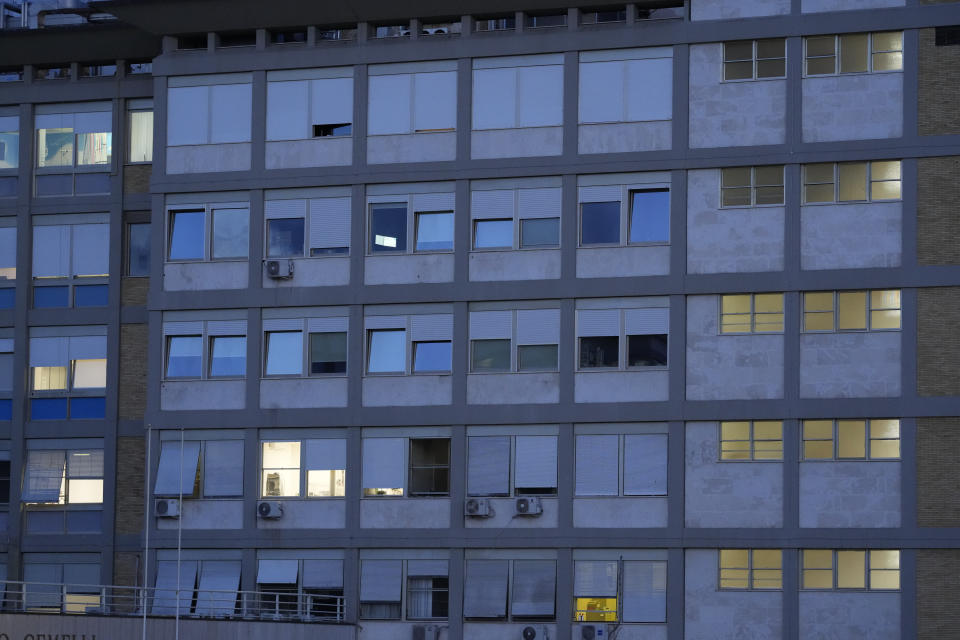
(146, 528)
(179, 535)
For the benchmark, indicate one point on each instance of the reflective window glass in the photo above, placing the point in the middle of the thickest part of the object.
(537, 357)
(141, 136)
(387, 351)
(91, 295)
(228, 356)
(432, 356)
(328, 353)
(490, 355)
(285, 238)
(184, 354)
(230, 233)
(647, 351)
(90, 374)
(388, 227)
(650, 216)
(493, 234)
(284, 353)
(600, 223)
(187, 235)
(539, 232)
(138, 249)
(435, 231)
(599, 352)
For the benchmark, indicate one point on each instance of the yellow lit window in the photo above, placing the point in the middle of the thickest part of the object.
(595, 609)
(751, 186)
(818, 439)
(885, 569)
(852, 181)
(851, 569)
(858, 53)
(817, 569)
(754, 59)
(751, 569)
(49, 378)
(280, 470)
(887, 51)
(751, 313)
(877, 439)
(751, 440)
(876, 310)
(884, 439)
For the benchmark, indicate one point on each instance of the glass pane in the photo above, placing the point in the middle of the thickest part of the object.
(880, 449)
(821, 66)
(735, 304)
(55, 148)
(736, 177)
(885, 319)
(853, 53)
(738, 70)
(771, 68)
(388, 227)
(490, 355)
(853, 181)
(541, 357)
(600, 223)
(736, 197)
(769, 176)
(435, 231)
(739, 430)
(885, 299)
(884, 428)
(85, 491)
(141, 136)
(650, 216)
(49, 378)
(887, 170)
(284, 353)
(772, 48)
(647, 351)
(851, 569)
(328, 353)
(818, 559)
(51, 297)
(231, 233)
(281, 483)
(91, 183)
(9, 149)
(281, 455)
(285, 238)
(817, 579)
(820, 46)
(187, 235)
(228, 357)
(94, 148)
(741, 50)
(48, 408)
(885, 190)
(818, 429)
(734, 558)
(853, 310)
(888, 61)
(540, 232)
(767, 430)
(888, 41)
(818, 450)
(884, 579)
(818, 193)
(96, 295)
(491, 234)
(599, 352)
(821, 301)
(138, 250)
(387, 351)
(768, 303)
(769, 195)
(818, 321)
(432, 356)
(851, 439)
(325, 483)
(183, 356)
(885, 559)
(88, 408)
(90, 374)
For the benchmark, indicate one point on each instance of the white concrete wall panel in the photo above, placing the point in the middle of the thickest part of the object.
(321, 152)
(206, 514)
(309, 514)
(625, 137)
(208, 158)
(498, 266)
(623, 262)
(620, 513)
(622, 386)
(513, 388)
(850, 365)
(413, 147)
(850, 494)
(728, 494)
(711, 614)
(731, 114)
(488, 630)
(853, 107)
(739, 240)
(833, 615)
(313, 272)
(200, 395)
(407, 391)
(732, 9)
(303, 393)
(408, 269)
(729, 367)
(851, 236)
(817, 6)
(516, 143)
(205, 276)
(405, 513)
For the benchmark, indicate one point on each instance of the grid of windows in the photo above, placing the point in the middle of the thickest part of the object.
(751, 440)
(875, 439)
(751, 569)
(832, 311)
(873, 570)
(828, 182)
(751, 313)
(751, 186)
(854, 53)
(755, 59)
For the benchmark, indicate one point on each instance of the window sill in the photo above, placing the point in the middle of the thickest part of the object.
(743, 80)
(747, 207)
(526, 371)
(329, 376)
(846, 202)
(852, 73)
(218, 261)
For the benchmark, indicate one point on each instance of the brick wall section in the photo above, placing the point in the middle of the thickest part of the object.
(133, 292)
(131, 462)
(126, 572)
(938, 582)
(938, 342)
(133, 371)
(939, 86)
(136, 178)
(938, 191)
(938, 472)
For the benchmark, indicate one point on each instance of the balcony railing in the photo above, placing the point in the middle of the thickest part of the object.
(58, 598)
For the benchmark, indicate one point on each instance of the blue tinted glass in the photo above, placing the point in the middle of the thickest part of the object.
(431, 356)
(7, 298)
(84, 521)
(540, 232)
(434, 231)
(90, 295)
(48, 297)
(48, 408)
(388, 228)
(186, 235)
(55, 185)
(89, 183)
(490, 234)
(228, 357)
(8, 187)
(6, 409)
(650, 216)
(183, 356)
(285, 238)
(88, 408)
(600, 223)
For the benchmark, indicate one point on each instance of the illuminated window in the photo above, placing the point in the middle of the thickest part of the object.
(851, 439)
(751, 440)
(317, 464)
(751, 569)
(874, 570)
(64, 477)
(855, 53)
(751, 313)
(755, 59)
(829, 182)
(751, 186)
(830, 311)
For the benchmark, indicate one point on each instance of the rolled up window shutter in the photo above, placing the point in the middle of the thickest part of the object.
(644, 591)
(222, 471)
(639, 322)
(598, 322)
(595, 578)
(332, 101)
(329, 223)
(491, 325)
(492, 204)
(538, 326)
(383, 463)
(326, 453)
(43, 476)
(287, 117)
(173, 475)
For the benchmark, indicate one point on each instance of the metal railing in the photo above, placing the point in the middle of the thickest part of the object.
(49, 597)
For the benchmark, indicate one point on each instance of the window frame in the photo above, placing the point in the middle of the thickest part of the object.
(834, 440)
(838, 53)
(69, 393)
(208, 211)
(72, 281)
(751, 442)
(63, 501)
(752, 315)
(513, 490)
(835, 571)
(206, 351)
(409, 350)
(869, 183)
(366, 493)
(199, 484)
(514, 347)
(211, 341)
(411, 224)
(303, 470)
(755, 59)
(129, 125)
(626, 214)
(750, 570)
(622, 462)
(509, 615)
(753, 188)
(128, 245)
(306, 352)
(623, 344)
(517, 220)
(404, 589)
(869, 310)
(620, 596)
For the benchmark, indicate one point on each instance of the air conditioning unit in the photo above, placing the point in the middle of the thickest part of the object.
(436, 31)
(167, 508)
(269, 510)
(527, 507)
(477, 508)
(593, 632)
(538, 632)
(279, 269)
(426, 632)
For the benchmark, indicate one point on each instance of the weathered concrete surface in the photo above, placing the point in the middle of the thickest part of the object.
(851, 236)
(850, 365)
(850, 494)
(853, 107)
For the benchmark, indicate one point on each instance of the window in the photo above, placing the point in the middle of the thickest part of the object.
(546, 20)
(52, 73)
(947, 36)
(237, 39)
(839, 311)
(626, 85)
(755, 59)
(319, 465)
(751, 569)
(70, 262)
(63, 477)
(618, 14)
(288, 36)
(68, 377)
(6, 379)
(215, 232)
(327, 33)
(751, 313)
(441, 28)
(45, 573)
(429, 215)
(192, 41)
(108, 70)
(5, 482)
(309, 590)
(405, 103)
(209, 114)
(535, 332)
(641, 585)
(139, 68)
(873, 570)
(518, 92)
(140, 130)
(11, 75)
(207, 469)
(8, 255)
(622, 338)
(527, 587)
(434, 231)
(205, 349)
(391, 31)
(534, 469)
(521, 218)
(746, 440)
(138, 249)
(206, 588)
(751, 186)
(851, 439)
(73, 139)
(9, 142)
(417, 467)
(858, 53)
(619, 216)
(409, 344)
(307, 104)
(622, 465)
(323, 353)
(503, 23)
(851, 182)
(382, 590)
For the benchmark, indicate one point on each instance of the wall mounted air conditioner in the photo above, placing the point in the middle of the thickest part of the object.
(167, 508)
(269, 510)
(426, 632)
(278, 269)
(596, 631)
(436, 31)
(527, 507)
(477, 508)
(535, 632)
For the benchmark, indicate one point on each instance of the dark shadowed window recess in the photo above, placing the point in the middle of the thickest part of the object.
(238, 39)
(288, 36)
(192, 41)
(429, 467)
(947, 36)
(600, 351)
(388, 227)
(600, 223)
(647, 351)
(328, 353)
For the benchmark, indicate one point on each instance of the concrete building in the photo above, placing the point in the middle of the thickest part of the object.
(360, 321)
